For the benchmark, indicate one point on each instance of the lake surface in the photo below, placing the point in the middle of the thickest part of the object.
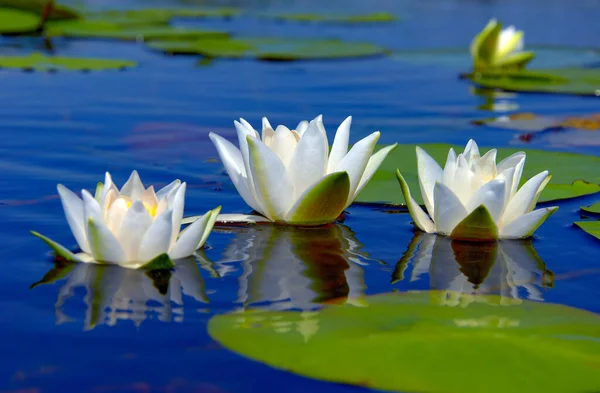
(105, 329)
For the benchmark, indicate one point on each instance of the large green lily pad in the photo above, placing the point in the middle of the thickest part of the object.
(328, 18)
(577, 81)
(573, 175)
(14, 21)
(275, 49)
(591, 227)
(58, 12)
(592, 209)
(40, 62)
(411, 343)
(110, 30)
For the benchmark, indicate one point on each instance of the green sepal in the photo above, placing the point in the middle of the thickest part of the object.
(477, 226)
(98, 193)
(160, 262)
(484, 45)
(515, 61)
(60, 252)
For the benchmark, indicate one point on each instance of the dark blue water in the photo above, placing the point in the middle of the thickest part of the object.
(105, 329)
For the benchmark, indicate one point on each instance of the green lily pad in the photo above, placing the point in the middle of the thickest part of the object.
(573, 175)
(367, 18)
(165, 14)
(577, 81)
(411, 343)
(274, 49)
(110, 30)
(14, 21)
(40, 62)
(593, 209)
(591, 227)
(59, 12)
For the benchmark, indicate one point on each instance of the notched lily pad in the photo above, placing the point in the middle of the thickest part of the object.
(593, 209)
(40, 62)
(573, 175)
(375, 17)
(412, 343)
(591, 227)
(273, 49)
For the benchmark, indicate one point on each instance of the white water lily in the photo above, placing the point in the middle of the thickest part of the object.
(495, 47)
(131, 227)
(291, 176)
(472, 198)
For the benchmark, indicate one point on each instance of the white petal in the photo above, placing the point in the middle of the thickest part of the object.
(471, 152)
(492, 195)
(340, 144)
(374, 163)
(103, 244)
(115, 214)
(307, 165)
(176, 206)
(519, 204)
(149, 197)
(487, 165)
(450, 168)
(283, 144)
(449, 210)
(525, 225)
(243, 133)
(302, 127)
(517, 161)
(73, 208)
(272, 184)
(108, 185)
(463, 180)
(234, 165)
(240, 218)
(422, 221)
(133, 188)
(250, 129)
(267, 132)
(157, 239)
(91, 209)
(429, 174)
(190, 238)
(160, 194)
(356, 160)
(136, 222)
(214, 213)
(508, 176)
(108, 200)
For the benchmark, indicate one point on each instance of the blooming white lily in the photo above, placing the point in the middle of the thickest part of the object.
(132, 226)
(497, 48)
(472, 198)
(290, 176)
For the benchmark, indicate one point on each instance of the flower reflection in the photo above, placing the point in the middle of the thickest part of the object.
(113, 293)
(290, 267)
(464, 270)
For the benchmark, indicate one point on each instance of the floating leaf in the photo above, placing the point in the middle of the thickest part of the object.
(367, 18)
(274, 49)
(13, 21)
(591, 227)
(411, 343)
(573, 175)
(165, 14)
(58, 12)
(40, 62)
(593, 209)
(110, 30)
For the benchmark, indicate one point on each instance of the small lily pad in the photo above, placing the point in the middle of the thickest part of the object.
(40, 62)
(375, 17)
(165, 14)
(591, 227)
(274, 49)
(593, 209)
(13, 21)
(58, 12)
(573, 175)
(410, 342)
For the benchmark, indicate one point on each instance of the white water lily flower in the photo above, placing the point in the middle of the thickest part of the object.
(132, 226)
(472, 198)
(291, 176)
(495, 47)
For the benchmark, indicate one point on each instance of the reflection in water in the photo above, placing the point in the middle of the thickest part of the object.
(114, 293)
(511, 269)
(296, 267)
(495, 101)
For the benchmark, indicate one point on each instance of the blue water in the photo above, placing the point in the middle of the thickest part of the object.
(109, 330)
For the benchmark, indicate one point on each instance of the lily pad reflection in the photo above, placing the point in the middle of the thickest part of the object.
(114, 294)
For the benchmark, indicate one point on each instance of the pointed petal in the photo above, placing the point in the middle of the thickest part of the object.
(372, 165)
(214, 213)
(283, 144)
(449, 210)
(244, 133)
(133, 188)
(239, 218)
(104, 245)
(340, 144)
(450, 168)
(356, 160)
(302, 127)
(492, 195)
(267, 132)
(59, 250)
(73, 208)
(538, 193)
(149, 197)
(177, 206)
(323, 202)
(108, 185)
(308, 163)
(115, 214)
(108, 200)
(189, 238)
(234, 165)
(429, 174)
(487, 164)
(160, 194)
(462, 184)
(509, 41)
(471, 152)
(477, 226)
(157, 238)
(523, 199)
(525, 225)
(517, 161)
(249, 127)
(272, 184)
(422, 221)
(135, 223)
(91, 209)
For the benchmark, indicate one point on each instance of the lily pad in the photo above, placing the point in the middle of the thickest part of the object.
(40, 62)
(411, 343)
(110, 30)
(274, 49)
(14, 21)
(591, 227)
(367, 18)
(165, 14)
(573, 175)
(576, 81)
(58, 12)
(593, 209)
